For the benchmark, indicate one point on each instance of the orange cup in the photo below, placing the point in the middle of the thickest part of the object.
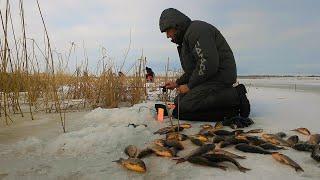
(160, 114)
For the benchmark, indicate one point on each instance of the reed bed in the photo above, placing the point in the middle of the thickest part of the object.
(33, 79)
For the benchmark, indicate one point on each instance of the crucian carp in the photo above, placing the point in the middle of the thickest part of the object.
(303, 131)
(251, 149)
(314, 139)
(133, 164)
(197, 152)
(163, 151)
(221, 158)
(205, 162)
(286, 160)
(275, 140)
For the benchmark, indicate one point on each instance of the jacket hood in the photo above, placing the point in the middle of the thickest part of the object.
(173, 18)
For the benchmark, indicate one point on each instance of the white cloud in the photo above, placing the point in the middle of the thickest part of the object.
(108, 22)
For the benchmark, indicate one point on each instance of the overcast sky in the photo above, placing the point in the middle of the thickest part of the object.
(266, 36)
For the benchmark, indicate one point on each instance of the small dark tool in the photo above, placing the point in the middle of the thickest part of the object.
(136, 125)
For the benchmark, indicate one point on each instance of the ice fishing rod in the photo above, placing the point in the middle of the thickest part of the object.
(178, 112)
(164, 91)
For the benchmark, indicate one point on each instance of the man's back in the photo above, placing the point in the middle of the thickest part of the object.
(203, 41)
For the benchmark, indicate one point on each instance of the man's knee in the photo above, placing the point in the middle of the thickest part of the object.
(187, 103)
(184, 104)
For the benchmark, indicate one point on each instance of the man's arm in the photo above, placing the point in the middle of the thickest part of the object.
(204, 46)
(183, 79)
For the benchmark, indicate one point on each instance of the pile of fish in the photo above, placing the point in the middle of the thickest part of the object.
(212, 139)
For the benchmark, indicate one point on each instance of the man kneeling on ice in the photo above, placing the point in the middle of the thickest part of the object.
(205, 89)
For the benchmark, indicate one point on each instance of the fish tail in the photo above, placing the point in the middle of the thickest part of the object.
(243, 169)
(222, 167)
(298, 169)
(180, 160)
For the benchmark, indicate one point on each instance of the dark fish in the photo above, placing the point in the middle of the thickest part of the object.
(133, 164)
(167, 130)
(233, 140)
(251, 149)
(286, 160)
(176, 129)
(159, 142)
(238, 139)
(163, 151)
(224, 152)
(202, 138)
(255, 131)
(163, 130)
(221, 158)
(206, 126)
(275, 140)
(184, 125)
(222, 132)
(269, 146)
(145, 152)
(316, 153)
(303, 131)
(314, 139)
(218, 125)
(255, 140)
(217, 139)
(197, 152)
(175, 144)
(303, 147)
(224, 144)
(281, 134)
(207, 132)
(176, 136)
(205, 162)
(196, 141)
(238, 132)
(131, 151)
(292, 140)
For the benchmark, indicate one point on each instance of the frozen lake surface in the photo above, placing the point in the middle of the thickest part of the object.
(39, 150)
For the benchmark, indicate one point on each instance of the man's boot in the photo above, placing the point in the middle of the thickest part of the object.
(244, 106)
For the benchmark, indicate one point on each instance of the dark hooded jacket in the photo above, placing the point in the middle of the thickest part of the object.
(205, 55)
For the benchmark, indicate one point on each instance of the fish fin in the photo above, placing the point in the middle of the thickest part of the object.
(118, 161)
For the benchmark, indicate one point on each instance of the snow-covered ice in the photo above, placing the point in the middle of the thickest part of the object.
(39, 150)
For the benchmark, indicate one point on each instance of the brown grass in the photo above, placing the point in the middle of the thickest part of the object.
(30, 83)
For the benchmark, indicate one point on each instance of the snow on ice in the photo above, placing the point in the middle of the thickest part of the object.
(94, 139)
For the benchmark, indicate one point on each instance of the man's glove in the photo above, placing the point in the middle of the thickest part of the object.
(239, 122)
